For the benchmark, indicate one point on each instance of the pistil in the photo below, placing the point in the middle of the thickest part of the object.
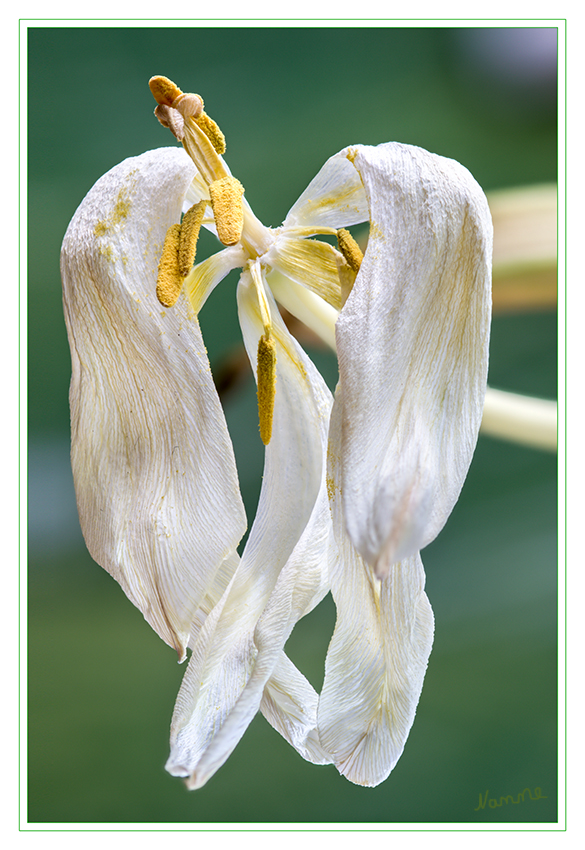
(204, 142)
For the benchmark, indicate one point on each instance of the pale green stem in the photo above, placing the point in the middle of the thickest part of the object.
(521, 419)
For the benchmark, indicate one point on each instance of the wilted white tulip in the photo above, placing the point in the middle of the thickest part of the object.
(354, 485)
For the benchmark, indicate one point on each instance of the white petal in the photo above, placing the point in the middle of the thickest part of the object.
(378, 654)
(289, 703)
(282, 575)
(205, 276)
(196, 191)
(313, 311)
(412, 342)
(153, 464)
(334, 198)
(310, 263)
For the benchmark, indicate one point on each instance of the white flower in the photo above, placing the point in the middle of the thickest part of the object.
(353, 486)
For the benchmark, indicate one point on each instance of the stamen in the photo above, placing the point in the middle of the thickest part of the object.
(350, 249)
(226, 201)
(256, 272)
(169, 281)
(190, 227)
(209, 164)
(212, 131)
(164, 90)
(189, 105)
(266, 386)
(172, 119)
(201, 137)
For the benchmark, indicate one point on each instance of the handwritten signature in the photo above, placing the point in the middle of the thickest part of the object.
(493, 803)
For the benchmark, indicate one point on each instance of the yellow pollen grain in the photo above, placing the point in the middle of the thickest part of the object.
(164, 90)
(121, 209)
(350, 249)
(169, 280)
(226, 202)
(117, 216)
(266, 386)
(331, 488)
(212, 131)
(190, 227)
(101, 228)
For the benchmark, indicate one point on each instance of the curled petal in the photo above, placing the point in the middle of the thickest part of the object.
(153, 465)
(412, 342)
(281, 576)
(375, 667)
(378, 654)
(289, 703)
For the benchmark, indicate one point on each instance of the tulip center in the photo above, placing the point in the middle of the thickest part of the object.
(235, 222)
(203, 140)
(289, 251)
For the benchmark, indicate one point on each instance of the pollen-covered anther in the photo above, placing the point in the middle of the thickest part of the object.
(164, 90)
(266, 385)
(226, 202)
(212, 131)
(350, 249)
(170, 281)
(190, 227)
(172, 119)
(189, 105)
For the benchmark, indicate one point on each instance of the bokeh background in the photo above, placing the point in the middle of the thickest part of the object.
(101, 684)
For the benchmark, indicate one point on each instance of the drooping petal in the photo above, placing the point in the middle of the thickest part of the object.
(289, 703)
(412, 342)
(154, 471)
(378, 654)
(281, 576)
(334, 198)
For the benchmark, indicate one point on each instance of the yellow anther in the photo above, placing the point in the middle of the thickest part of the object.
(226, 201)
(266, 385)
(164, 90)
(212, 131)
(350, 249)
(190, 227)
(169, 281)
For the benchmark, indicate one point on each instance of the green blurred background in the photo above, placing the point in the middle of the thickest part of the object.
(101, 684)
